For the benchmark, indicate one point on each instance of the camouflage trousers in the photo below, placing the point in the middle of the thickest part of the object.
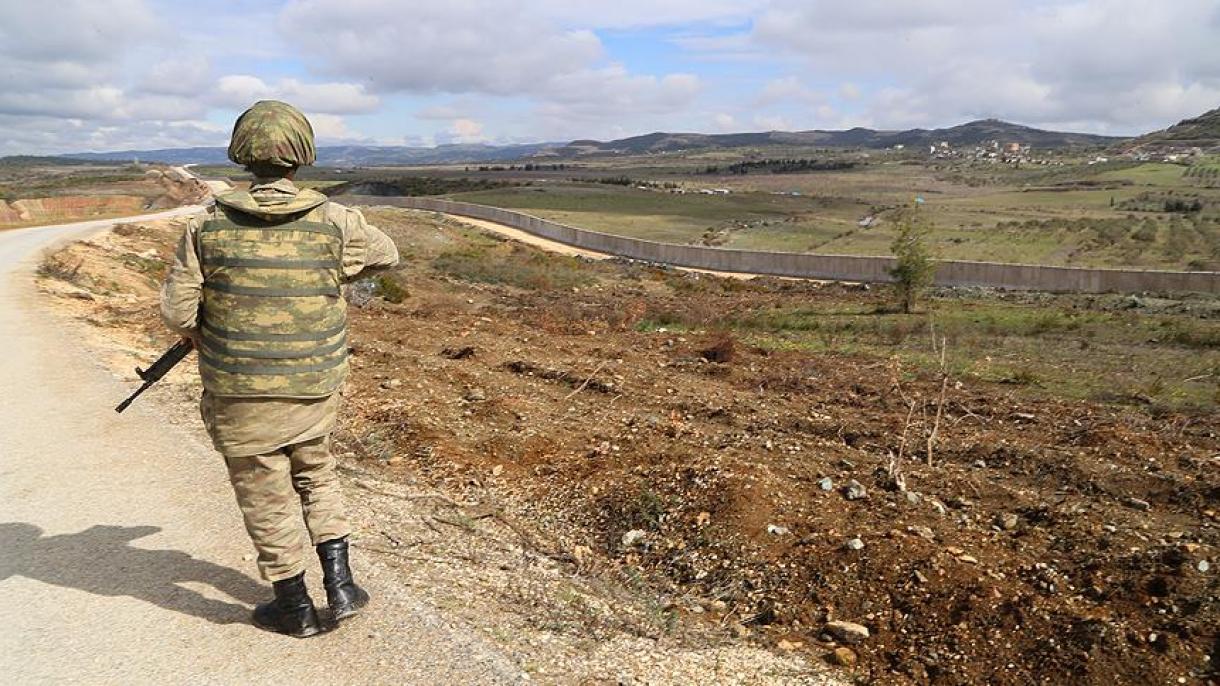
(274, 490)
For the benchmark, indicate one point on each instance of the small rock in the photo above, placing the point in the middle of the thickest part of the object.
(1137, 504)
(939, 507)
(980, 464)
(497, 470)
(1008, 521)
(633, 537)
(740, 630)
(475, 395)
(919, 577)
(786, 645)
(855, 544)
(855, 490)
(826, 484)
(1203, 566)
(922, 531)
(391, 383)
(776, 530)
(847, 632)
(844, 657)
(913, 497)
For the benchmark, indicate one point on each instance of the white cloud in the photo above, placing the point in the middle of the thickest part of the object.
(501, 48)
(242, 90)
(184, 76)
(506, 49)
(26, 134)
(647, 13)
(467, 131)
(772, 123)
(136, 73)
(724, 122)
(788, 89)
(332, 128)
(1107, 64)
(72, 30)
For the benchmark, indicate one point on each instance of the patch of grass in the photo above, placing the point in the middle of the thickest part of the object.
(1191, 334)
(516, 266)
(386, 286)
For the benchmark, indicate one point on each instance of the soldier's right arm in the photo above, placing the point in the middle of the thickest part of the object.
(183, 288)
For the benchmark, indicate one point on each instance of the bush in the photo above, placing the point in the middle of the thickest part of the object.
(914, 270)
(388, 288)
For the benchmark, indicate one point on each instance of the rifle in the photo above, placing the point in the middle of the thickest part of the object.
(160, 368)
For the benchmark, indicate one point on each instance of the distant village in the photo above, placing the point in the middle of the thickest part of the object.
(1017, 154)
(994, 151)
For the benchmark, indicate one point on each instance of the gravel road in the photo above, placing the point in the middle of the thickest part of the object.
(122, 556)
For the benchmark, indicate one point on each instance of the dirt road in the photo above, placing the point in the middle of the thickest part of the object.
(122, 557)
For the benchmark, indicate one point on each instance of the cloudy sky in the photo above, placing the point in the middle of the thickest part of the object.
(116, 74)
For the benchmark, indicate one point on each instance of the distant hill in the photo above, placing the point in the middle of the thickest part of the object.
(971, 133)
(337, 155)
(1202, 131)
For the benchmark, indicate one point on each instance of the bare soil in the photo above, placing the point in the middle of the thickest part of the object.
(1043, 540)
(157, 189)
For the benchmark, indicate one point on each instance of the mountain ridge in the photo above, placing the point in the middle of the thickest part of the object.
(1201, 131)
(970, 133)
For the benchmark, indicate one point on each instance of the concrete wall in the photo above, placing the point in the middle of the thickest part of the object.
(829, 267)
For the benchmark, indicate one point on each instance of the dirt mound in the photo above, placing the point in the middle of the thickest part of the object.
(156, 190)
(68, 208)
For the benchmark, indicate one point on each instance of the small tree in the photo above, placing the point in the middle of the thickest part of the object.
(914, 270)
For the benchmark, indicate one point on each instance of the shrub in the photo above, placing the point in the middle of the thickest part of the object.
(914, 270)
(388, 288)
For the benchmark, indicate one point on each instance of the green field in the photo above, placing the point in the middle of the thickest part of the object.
(1110, 214)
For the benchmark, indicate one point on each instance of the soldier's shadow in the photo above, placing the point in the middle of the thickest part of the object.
(100, 560)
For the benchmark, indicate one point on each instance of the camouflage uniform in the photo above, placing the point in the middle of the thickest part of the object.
(255, 282)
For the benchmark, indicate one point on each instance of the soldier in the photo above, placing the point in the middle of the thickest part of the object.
(256, 286)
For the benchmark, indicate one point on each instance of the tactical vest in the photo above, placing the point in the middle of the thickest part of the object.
(272, 320)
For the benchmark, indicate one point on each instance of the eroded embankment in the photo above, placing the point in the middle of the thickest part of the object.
(156, 190)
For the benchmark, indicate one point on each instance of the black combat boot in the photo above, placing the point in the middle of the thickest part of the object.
(342, 594)
(292, 612)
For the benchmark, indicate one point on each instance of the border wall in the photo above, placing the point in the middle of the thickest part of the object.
(825, 267)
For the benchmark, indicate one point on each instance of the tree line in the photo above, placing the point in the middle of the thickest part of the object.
(779, 166)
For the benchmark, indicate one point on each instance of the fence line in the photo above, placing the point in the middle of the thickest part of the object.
(826, 267)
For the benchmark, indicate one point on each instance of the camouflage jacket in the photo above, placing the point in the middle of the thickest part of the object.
(364, 247)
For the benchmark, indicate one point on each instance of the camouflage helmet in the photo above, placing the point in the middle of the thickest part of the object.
(272, 133)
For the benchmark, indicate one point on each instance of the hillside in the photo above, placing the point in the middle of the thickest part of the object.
(971, 133)
(1202, 131)
(337, 155)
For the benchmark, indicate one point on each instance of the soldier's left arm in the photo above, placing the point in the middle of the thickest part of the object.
(365, 247)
